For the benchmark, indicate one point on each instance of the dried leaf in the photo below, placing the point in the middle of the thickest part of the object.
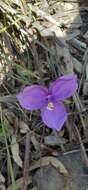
(35, 142)
(77, 65)
(85, 88)
(34, 188)
(45, 161)
(15, 151)
(2, 187)
(11, 117)
(2, 179)
(23, 127)
(19, 183)
(54, 140)
(85, 35)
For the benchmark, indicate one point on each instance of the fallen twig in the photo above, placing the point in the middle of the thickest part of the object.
(26, 163)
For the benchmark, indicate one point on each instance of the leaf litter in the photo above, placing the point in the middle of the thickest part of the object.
(40, 41)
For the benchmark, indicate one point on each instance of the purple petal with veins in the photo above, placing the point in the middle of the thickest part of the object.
(64, 87)
(55, 117)
(33, 97)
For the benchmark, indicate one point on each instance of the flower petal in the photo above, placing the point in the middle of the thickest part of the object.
(33, 97)
(64, 87)
(55, 117)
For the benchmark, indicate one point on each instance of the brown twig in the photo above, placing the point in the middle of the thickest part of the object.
(26, 163)
(79, 106)
(84, 156)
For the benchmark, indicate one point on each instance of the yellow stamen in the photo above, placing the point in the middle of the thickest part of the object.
(50, 106)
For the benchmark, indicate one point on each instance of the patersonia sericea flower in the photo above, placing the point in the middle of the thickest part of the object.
(49, 101)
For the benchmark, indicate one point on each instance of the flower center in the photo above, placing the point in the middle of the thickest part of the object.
(50, 106)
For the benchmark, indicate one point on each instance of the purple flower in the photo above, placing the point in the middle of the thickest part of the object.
(49, 101)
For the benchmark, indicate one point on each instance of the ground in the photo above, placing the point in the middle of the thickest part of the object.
(39, 42)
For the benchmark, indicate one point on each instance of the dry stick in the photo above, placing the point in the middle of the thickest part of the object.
(79, 108)
(26, 163)
(68, 60)
(85, 61)
(69, 129)
(78, 104)
(85, 158)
